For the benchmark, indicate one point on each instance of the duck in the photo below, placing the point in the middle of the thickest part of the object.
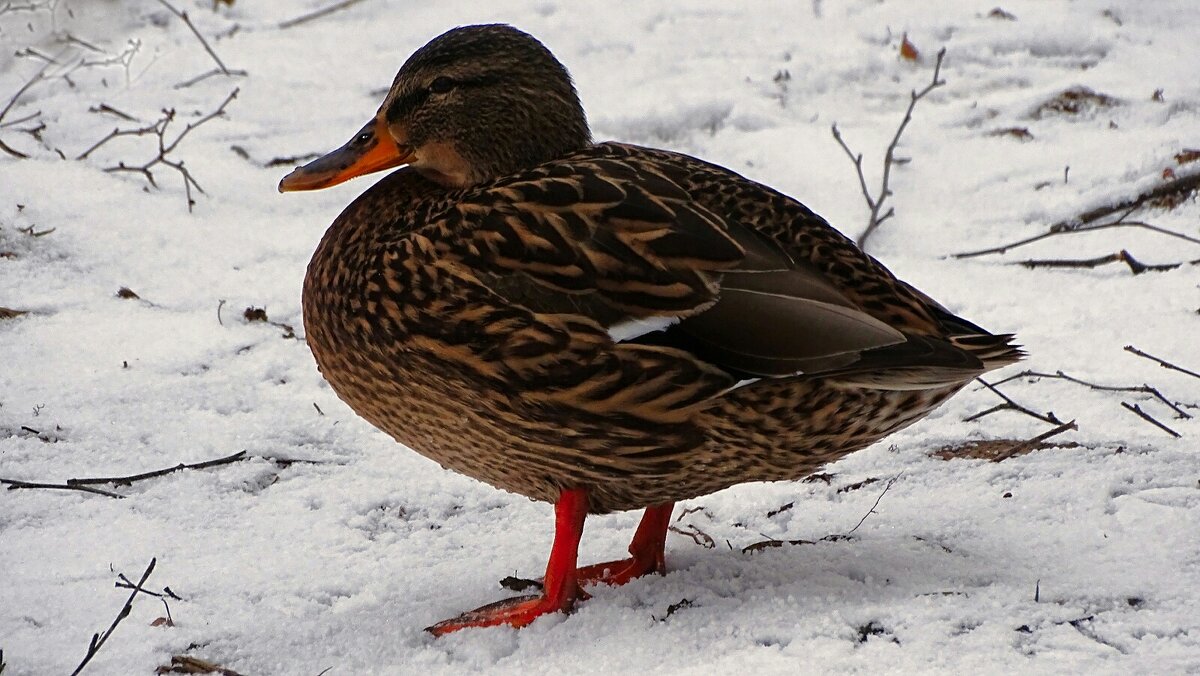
(599, 325)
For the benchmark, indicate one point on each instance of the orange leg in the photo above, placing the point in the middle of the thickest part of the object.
(560, 586)
(648, 546)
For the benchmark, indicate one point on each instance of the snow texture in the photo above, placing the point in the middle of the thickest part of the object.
(1083, 558)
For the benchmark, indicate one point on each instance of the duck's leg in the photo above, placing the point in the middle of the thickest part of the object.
(560, 586)
(648, 548)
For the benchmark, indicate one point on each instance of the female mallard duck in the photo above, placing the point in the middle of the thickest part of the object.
(600, 325)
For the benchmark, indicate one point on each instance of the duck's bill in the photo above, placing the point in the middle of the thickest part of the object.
(372, 149)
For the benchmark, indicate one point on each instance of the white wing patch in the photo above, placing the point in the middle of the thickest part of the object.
(635, 328)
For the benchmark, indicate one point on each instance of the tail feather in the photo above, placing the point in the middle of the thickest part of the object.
(994, 350)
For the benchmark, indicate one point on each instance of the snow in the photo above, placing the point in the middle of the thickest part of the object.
(340, 559)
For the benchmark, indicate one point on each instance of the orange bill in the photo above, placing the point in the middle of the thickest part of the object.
(371, 149)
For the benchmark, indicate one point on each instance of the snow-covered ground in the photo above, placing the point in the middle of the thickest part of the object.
(1083, 558)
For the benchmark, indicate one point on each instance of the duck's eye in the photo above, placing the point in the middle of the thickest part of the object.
(363, 137)
(441, 85)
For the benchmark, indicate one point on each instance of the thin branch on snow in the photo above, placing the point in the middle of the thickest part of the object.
(87, 485)
(221, 69)
(835, 537)
(37, 77)
(1161, 362)
(105, 108)
(318, 14)
(129, 479)
(1134, 408)
(876, 203)
(25, 6)
(1122, 256)
(698, 536)
(886, 486)
(159, 129)
(124, 583)
(1175, 189)
(1030, 444)
(99, 639)
(1059, 375)
(14, 484)
(1010, 405)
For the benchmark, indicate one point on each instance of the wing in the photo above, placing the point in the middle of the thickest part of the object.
(622, 242)
(633, 238)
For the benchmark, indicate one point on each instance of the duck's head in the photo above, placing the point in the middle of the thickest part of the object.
(475, 103)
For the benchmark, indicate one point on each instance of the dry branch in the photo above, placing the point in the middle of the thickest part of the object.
(159, 129)
(882, 493)
(1149, 418)
(1026, 446)
(38, 77)
(836, 537)
(1122, 256)
(86, 485)
(129, 479)
(14, 484)
(221, 69)
(1010, 405)
(318, 14)
(1059, 375)
(698, 536)
(875, 204)
(99, 639)
(1161, 362)
(1086, 222)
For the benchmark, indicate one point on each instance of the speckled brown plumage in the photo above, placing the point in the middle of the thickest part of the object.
(470, 325)
(603, 326)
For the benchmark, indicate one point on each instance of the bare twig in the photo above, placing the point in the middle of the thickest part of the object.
(318, 14)
(37, 77)
(871, 511)
(1026, 446)
(1086, 222)
(1150, 419)
(1161, 362)
(13, 151)
(876, 203)
(698, 536)
(1010, 405)
(129, 479)
(221, 68)
(835, 537)
(86, 485)
(14, 484)
(105, 108)
(1059, 375)
(1069, 229)
(99, 639)
(159, 129)
(1122, 256)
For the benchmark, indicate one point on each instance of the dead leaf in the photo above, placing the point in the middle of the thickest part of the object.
(1187, 155)
(990, 449)
(126, 292)
(998, 13)
(9, 313)
(185, 664)
(908, 50)
(1074, 101)
(1019, 133)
